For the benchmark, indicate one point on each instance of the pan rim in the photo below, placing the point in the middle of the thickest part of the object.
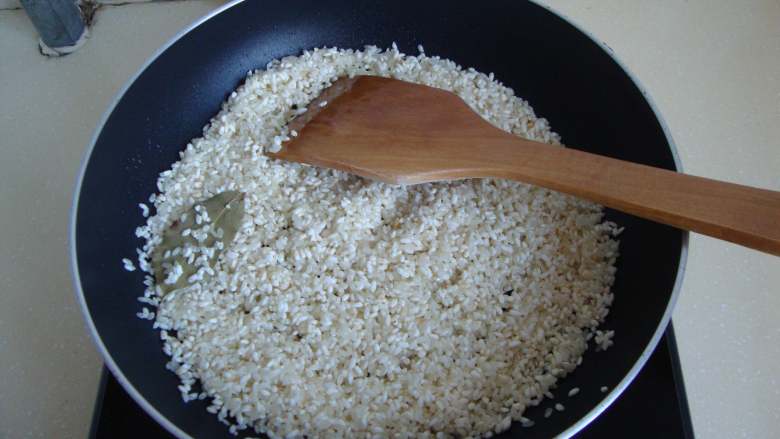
(609, 398)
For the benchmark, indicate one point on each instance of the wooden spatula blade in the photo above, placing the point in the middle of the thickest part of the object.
(389, 130)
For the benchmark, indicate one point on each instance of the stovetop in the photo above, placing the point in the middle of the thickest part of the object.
(653, 406)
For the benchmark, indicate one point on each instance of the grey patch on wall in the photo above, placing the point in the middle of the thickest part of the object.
(63, 26)
(60, 25)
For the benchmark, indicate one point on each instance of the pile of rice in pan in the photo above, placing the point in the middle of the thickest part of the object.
(346, 307)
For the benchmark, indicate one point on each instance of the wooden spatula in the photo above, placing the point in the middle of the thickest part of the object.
(403, 133)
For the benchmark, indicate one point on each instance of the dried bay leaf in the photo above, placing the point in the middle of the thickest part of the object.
(225, 214)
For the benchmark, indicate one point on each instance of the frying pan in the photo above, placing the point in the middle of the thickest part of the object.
(568, 77)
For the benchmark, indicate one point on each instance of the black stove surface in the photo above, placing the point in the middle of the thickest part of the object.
(654, 405)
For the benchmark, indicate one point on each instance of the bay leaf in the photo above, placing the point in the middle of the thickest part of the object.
(225, 214)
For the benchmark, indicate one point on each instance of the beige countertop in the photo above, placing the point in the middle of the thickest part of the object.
(713, 69)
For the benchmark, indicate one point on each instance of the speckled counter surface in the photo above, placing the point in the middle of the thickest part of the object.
(713, 69)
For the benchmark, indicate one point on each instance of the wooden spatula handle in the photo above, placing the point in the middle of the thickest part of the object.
(740, 214)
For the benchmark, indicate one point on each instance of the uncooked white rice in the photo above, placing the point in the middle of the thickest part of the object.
(128, 264)
(351, 308)
(603, 339)
(144, 209)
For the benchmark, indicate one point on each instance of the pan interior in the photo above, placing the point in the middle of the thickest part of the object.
(567, 78)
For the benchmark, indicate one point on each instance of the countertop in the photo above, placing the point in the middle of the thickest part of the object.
(712, 67)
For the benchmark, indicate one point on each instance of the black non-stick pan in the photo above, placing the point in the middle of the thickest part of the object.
(569, 78)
